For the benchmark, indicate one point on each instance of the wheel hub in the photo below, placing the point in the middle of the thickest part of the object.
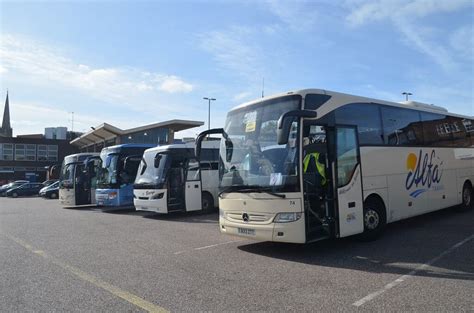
(371, 219)
(467, 197)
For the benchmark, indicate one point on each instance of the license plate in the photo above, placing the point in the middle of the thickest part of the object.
(246, 231)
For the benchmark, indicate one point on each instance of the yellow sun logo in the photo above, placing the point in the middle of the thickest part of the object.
(411, 161)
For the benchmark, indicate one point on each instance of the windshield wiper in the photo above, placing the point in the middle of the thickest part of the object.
(252, 188)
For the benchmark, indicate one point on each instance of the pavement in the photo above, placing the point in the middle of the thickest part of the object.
(56, 259)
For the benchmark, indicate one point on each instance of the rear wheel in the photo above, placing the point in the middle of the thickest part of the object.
(207, 202)
(467, 200)
(374, 219)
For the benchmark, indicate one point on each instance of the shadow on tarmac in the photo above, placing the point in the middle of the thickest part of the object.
(187, 217)
(405, 245)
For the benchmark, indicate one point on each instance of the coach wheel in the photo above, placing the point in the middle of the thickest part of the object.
(467, 201)
(207, 202)
(374, 219)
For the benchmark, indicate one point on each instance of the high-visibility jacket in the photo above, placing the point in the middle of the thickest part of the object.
(319, 166)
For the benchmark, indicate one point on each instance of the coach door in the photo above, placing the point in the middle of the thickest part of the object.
(348, 179)
(193, 186)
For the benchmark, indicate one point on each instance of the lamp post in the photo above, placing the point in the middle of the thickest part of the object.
(209, 111)
(406, 95)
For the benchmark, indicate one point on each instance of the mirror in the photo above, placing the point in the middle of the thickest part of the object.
(201, 137)
(285, 121)
(108, 159)
(229, 150)
(157, 160)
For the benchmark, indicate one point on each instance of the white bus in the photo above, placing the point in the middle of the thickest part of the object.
(382, 162)
(170, 179)
(77, 179)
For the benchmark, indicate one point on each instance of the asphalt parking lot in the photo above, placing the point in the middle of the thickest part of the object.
(55, 259)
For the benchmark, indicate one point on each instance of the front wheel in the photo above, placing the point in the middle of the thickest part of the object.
(14, 195)
(374, 219)
(207, 202)
(54, 195)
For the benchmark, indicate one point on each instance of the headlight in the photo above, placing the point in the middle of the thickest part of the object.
(157, 196)
(112, 195)
(287, 217)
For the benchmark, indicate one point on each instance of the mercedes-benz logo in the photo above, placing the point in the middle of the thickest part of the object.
(245, 217)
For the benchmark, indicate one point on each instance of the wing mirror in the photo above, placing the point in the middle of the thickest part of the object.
(285, 120)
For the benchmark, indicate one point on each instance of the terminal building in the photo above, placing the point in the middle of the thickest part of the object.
(106, 135)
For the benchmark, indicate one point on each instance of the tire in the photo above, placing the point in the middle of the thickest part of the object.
(14, 195)
(53, 196)
(207, 202)
(467, 198)
(375, 219)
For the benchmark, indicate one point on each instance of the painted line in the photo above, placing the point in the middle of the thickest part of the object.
(207, 247)
(125, 295)
(401, 279)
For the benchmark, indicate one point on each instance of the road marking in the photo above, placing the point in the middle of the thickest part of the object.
(125, 295)
(207, 247)
(401, 279)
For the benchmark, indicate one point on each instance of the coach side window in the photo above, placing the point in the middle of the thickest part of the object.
(459, 131)
(367, 118)
(437, 131)
(401, 126)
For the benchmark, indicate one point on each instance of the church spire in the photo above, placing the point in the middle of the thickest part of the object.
(6, 130)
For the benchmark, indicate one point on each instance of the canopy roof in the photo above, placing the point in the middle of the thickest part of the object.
(106, 131)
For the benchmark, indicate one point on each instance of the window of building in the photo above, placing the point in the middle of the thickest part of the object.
(7, 153)
(20, 152)
(30, 152)
(367, 119)
(401, 126)
(52, 152)
(42, 152)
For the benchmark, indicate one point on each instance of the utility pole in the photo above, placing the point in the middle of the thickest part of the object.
(209, 111)
(72, 121)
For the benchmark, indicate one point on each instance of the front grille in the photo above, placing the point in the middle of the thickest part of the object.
(256, 218)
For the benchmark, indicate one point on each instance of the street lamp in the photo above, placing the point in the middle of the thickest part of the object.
(406, 95)
(209, 111)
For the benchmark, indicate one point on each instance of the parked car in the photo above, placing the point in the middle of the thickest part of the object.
(5, 188)
(46, 183)
(29, 189)
(51, 191)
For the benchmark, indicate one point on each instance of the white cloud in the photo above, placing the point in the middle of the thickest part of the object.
(33, 117)
(242, 96)
(462, 41)
(173, 84)
(235, 50)
(40, 64)
(405, 15)
(298, 15)
(370, 11)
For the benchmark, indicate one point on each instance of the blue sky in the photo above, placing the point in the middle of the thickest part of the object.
(134, 63)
